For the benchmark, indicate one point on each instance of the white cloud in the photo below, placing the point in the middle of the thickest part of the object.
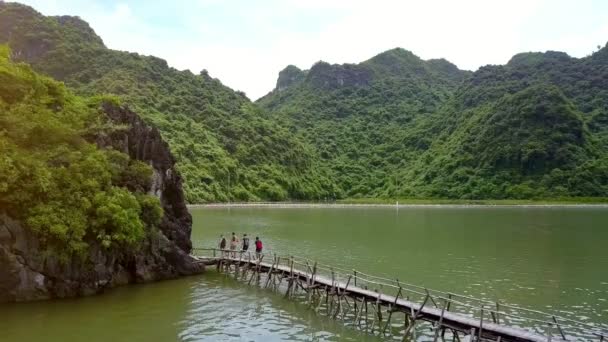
(246, 44)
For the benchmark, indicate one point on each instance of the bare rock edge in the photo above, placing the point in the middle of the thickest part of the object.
(26, 273)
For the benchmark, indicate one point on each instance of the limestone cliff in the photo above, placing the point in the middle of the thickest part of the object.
(27, 273)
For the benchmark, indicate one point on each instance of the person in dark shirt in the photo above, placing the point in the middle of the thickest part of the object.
(245, 243)
(222, 243)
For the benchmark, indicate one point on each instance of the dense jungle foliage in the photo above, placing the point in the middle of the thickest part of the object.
(67, 190)
(226, 148)
(399, 127)
(394, 126)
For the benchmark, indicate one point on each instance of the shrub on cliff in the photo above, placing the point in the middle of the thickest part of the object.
(67, 190)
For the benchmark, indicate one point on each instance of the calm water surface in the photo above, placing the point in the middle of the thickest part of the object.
(552, 259)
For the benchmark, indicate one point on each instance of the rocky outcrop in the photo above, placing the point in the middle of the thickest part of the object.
(290, 76)
(28, 273)
(332, 76)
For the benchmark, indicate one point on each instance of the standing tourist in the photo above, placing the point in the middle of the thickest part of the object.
(258, 246)
(234, 242)
(222, 244)
(245, 243)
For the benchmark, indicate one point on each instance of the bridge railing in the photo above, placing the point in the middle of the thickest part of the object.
(485, 310)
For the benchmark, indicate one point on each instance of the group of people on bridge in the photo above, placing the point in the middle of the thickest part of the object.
(234, 244)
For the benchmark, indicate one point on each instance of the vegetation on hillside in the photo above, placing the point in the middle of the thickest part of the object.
(226, 148)
(67, 190)
(534, 128)
(394, 126)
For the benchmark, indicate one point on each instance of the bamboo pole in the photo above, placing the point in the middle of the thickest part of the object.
(480, 323)
(455, 335)
(270, 271)
(320, 300)
(342, 296)
(238, 266)
(388, 320)
(358, 314)
(438, 326)
(366, 315)
(497, 313)
(559, 328)
(449, 302)
(431, 297)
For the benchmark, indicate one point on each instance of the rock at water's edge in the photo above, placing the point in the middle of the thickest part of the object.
(26, 274)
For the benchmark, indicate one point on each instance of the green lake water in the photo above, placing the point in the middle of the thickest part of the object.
(544, 258)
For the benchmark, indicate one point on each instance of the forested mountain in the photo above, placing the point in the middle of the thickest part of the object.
(362, 117)
(392, 126)
(397, 126)
(226, 148)
(89, 197)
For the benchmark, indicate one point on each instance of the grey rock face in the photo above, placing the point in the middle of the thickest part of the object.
(289, 76)
(27, 273)
(332, 76)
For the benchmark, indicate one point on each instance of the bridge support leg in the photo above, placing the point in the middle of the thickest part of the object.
(358, 313)
(388, 320)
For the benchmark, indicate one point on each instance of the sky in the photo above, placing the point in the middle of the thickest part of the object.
(246, 43)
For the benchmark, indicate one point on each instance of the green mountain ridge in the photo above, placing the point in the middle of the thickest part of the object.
(392, 126)
(226, 148)
(535, 127)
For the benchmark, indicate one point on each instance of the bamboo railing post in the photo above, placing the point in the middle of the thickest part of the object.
(411, 325)
(378, 312)
(388, 320)
(321, 300)
(379, 307)
(355, 280)
(438, 326)
(428, 294)
(455, 336)
(390, 313)
(259, 268)
(330, 305)
(342, 297)
(497, 313)
(449, 301)
(238, 266)
(559, 328)
(270, 271)
(358, 313)
(366, 315)
(480, 323)
(447, 308)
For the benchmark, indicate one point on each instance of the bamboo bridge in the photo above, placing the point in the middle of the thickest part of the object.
(391, 308)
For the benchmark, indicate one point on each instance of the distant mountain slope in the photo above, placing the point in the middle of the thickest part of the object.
(392, 126)
(361, 117)
(226, 148)
(398, 126)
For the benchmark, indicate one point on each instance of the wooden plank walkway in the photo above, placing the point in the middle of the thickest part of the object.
(336, 290)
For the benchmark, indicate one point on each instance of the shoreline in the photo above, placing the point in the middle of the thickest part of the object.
(334, 205)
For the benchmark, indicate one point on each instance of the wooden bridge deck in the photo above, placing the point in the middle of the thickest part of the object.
(441, 318)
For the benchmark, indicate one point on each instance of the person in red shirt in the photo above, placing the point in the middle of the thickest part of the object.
(258, 246)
